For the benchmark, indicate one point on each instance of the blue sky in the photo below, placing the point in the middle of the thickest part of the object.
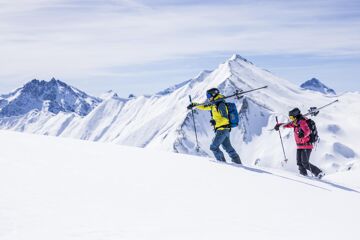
(145, 46)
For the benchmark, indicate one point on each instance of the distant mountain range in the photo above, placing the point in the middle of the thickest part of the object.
(161, 121)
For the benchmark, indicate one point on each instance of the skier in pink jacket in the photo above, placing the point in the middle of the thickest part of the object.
(302, 138)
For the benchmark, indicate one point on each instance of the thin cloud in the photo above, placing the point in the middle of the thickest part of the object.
(77, 37)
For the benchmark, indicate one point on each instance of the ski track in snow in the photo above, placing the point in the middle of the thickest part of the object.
(305, 180)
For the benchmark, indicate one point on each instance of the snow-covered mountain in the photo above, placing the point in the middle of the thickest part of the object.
(314, 84)
(161, 121)
(66, 189)
(53, 96)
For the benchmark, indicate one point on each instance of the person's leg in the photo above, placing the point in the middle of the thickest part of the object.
(306, 162)
(226, 144)
(215, 145)
(299, 162)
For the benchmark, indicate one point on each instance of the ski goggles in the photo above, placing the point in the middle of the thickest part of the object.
(292, 118)
(208, 95)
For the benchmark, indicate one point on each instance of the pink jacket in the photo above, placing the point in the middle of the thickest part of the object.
(302, 143)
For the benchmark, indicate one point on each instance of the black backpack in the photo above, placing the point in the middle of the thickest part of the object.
(314, 137)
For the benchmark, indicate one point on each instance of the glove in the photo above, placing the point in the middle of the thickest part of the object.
(301, 133)
(277, 126)
(191, 105)
(212, 122)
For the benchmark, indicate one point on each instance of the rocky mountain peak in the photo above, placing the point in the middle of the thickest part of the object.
(315, 84)
(58, 96)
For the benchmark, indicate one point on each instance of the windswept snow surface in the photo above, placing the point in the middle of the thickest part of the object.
(65, 189)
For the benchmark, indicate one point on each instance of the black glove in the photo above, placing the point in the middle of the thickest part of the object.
(277, 126)
(212, 122)
(301, 133)
(191, 105)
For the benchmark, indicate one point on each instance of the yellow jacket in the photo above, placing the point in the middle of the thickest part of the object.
(221, 122)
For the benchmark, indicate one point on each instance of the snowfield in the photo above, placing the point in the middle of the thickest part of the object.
(66, 189)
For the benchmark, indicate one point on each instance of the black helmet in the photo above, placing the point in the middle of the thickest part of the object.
(211, 93)
(295, 113)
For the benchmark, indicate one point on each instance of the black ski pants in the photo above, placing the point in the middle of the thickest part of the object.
(302, 159)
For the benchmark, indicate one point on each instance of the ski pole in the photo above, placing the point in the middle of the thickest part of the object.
(282, 144)
(193, 118)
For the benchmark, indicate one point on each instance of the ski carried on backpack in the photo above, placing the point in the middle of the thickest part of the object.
(313, 111)
(233, 113)
(237, 94)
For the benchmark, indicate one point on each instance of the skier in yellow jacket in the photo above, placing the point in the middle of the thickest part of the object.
(221, 123)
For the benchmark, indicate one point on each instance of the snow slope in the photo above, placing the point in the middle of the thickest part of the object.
(161, 121)
(57, 188)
